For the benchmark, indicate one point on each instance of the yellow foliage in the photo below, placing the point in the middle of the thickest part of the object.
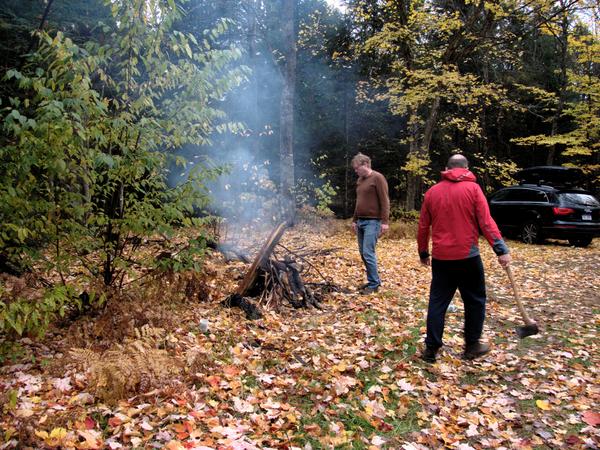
(499, 171)
(416, 165)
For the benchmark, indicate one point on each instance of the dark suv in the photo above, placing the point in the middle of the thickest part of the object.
(545, 205)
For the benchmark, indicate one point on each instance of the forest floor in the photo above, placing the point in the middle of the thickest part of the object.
(347, 376)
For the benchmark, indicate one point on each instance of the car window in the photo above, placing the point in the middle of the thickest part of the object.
(531, 195)
(500, 196)
(578, 198)
(514, 195)
(524, 195)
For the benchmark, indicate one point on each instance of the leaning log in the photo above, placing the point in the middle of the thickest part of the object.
(263, 256)
(237, 299)
(273, 280)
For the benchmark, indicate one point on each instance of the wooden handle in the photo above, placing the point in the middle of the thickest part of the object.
(524, 314)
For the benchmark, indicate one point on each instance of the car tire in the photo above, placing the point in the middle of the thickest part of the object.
(531, 232)
(581, 241)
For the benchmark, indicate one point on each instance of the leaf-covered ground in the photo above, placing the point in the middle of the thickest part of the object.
(344, 377)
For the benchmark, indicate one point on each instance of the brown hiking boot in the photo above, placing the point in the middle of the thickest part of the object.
(475, 350)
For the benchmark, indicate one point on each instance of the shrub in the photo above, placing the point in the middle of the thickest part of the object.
(401, 214)
(32, 316)
(85, 144)
(402, 230)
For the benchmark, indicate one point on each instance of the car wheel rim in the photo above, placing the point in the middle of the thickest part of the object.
(530, 233)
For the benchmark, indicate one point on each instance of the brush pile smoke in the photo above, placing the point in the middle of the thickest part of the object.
(248, 194)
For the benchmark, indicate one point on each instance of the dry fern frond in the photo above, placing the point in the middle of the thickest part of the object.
(148, 333)
(84, 357)
(128, 369)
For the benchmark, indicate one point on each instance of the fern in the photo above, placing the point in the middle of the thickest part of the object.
(134, 367)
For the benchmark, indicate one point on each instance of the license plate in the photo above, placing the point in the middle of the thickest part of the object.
(586, 217)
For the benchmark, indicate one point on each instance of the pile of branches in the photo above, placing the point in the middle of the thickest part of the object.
(282, 281)
(275, 280)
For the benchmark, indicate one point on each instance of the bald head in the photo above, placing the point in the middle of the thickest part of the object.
(457, 161)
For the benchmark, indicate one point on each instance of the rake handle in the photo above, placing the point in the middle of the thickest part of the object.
(524, 314)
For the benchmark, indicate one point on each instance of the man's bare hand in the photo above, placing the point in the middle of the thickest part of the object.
(354, 227)
(504, 260)
(426, 261)
(384, 228)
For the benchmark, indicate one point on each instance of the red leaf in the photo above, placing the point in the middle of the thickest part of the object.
(573, 440)
(90, 423)
(384, 426)
(591, 418)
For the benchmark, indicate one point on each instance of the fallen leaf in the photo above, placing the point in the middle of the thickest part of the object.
(543, 404)
(377, 441)
(591, 418)
(62, 384)
(242, 406)
(174, 445)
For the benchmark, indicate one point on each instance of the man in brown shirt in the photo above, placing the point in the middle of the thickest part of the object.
(371, 216)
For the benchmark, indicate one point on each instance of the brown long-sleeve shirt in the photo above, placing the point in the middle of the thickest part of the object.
(372, 199)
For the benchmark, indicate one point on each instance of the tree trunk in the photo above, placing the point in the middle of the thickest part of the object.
(253, 86)
(429, 127)
(420, 149)
(347, 120)
(286, 141)
(411, 179)
(564, 46)
(33, 39)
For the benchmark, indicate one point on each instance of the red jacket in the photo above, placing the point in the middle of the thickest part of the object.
(456, 210)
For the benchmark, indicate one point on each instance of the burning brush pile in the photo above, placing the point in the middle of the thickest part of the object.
(276, 278)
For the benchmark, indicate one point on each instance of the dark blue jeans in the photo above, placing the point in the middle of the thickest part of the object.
(466, 275)
(367, 232)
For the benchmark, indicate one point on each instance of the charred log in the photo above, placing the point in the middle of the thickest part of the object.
(237, 301)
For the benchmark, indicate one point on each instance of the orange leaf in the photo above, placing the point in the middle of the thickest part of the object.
(174, 445)
(231, 371)
(213, 380)
(189, 425)
(179, 428)
(114, 422)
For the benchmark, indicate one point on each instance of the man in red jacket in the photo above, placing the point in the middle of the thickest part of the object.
(456, 210)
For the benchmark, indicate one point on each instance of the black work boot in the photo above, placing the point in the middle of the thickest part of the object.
(475, 350)
(368, 290)
(428, 354)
